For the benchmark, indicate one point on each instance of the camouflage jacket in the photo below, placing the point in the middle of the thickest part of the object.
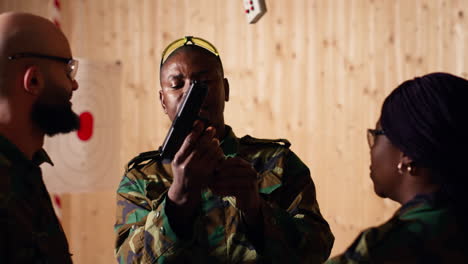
(294, 230)
(423, 230)
(31, 232)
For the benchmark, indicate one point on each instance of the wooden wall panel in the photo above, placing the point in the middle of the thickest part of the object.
(38, 7)
(313, 71)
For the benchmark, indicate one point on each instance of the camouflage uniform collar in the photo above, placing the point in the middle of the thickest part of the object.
(432, 199)
(10, 153)
(230, 143)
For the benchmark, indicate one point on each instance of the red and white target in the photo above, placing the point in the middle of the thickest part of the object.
(88, 159)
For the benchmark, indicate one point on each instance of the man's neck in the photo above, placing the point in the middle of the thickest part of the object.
(20, 131)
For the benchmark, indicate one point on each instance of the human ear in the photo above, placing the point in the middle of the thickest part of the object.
(226, 89)
(32, 80)
(406, 164)
(162, 101)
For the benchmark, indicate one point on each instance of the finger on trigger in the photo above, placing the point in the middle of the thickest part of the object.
(198, 126)
(211, 131)
(188, 144)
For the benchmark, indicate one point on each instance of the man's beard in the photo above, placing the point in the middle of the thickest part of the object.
(54, 119)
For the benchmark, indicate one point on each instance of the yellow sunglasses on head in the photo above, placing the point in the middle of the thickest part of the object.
(188, 40)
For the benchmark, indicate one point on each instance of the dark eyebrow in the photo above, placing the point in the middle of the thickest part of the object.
(175, 76)
(180, 75)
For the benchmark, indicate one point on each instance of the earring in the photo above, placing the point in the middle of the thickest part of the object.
(409, 168)
(399, 166)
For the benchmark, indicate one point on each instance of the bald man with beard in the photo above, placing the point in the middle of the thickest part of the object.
(36, 84)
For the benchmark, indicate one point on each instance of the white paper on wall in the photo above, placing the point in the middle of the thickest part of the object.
(89, 160)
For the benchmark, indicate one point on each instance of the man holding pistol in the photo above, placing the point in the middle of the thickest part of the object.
(222, 199)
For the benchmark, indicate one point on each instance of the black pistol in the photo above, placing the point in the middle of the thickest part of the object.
(184, 119)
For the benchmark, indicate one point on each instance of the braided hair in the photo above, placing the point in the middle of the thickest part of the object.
(427, 119)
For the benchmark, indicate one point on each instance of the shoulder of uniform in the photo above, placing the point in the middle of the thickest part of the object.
(142, 157)
(248, 140)
(4, 161)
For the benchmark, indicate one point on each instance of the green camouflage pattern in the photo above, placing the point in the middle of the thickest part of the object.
(31, 232)
(294, 229)
(423, 230)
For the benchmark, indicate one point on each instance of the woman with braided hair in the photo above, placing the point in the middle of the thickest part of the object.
(418, 154)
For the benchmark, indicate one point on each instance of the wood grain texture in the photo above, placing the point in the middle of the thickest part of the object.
(313, 71)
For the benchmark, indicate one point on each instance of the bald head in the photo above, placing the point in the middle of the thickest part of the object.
(23, 32)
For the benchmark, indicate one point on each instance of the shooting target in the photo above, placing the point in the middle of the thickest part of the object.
(89, 159)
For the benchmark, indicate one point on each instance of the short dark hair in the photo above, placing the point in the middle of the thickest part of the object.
(194, 48)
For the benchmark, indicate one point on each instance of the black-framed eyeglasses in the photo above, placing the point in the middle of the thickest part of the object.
(187, 40)
(371, 134)
(71, 63)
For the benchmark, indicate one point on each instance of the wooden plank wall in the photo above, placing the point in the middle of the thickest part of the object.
(313, 71)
